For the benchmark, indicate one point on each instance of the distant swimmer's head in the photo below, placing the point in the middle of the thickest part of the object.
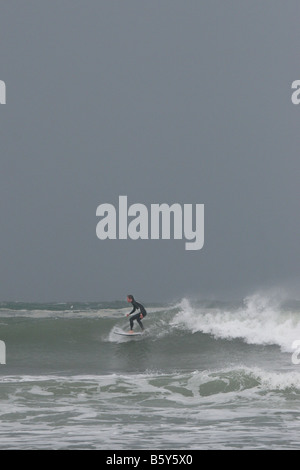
(130, 298)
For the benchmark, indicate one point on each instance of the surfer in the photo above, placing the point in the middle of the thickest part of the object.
(138, 316)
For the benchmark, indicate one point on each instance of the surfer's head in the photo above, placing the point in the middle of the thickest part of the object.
(129, 298)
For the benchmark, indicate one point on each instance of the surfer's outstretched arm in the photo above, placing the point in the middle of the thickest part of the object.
(133, 310)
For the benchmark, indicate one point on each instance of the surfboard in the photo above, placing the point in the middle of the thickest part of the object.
(125, 333)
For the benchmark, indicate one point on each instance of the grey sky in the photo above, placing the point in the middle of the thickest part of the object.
(162, 101)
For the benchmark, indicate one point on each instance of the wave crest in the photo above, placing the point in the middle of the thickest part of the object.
(259, 321)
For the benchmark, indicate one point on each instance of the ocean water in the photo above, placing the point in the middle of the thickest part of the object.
(205, 375)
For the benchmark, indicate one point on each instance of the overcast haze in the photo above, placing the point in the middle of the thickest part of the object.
(171, 101)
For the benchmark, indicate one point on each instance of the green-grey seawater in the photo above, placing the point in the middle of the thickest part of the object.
(204, 375)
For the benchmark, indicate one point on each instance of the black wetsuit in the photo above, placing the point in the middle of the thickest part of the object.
(137, 306)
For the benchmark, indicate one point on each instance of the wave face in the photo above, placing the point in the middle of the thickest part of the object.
(185, 335)
(204, 375)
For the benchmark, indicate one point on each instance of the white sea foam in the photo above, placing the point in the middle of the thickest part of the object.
(152, 382)
(260, 321)
(237, 406)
